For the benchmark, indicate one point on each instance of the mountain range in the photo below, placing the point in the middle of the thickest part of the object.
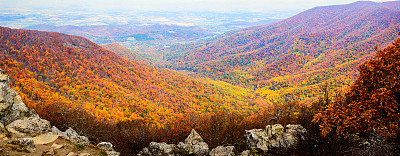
(293, 57)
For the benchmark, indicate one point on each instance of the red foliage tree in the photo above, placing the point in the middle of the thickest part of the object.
(372, 101)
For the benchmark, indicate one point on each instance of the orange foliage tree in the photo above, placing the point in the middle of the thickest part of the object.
(372, 101)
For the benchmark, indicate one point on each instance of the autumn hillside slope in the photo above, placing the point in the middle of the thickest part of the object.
(294, 56)
(57, 70)
(124, 52)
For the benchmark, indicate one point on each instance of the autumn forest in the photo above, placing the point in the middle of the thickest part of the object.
(334, 69)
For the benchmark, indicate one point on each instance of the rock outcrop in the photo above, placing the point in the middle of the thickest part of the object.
(108, 147)
(26, 129)
(71, 135)
(261, 141)
(17, 121)
(11, 106)
(160, 149)
(194, 145)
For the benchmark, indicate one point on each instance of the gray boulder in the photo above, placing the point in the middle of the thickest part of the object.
(162, 149)
(200, 149)
(56, 131)
(261, 141)
(184, 148)
(108, 147)
(257, 140)
(274, 130)
(223, 151)
(159, 149)
(28, 127)
(71, 135)
(293, 132)
(275, 135)
(193, 138)
(193, 145)
(11, 106)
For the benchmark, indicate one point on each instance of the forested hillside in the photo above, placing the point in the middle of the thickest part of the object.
(53, 69)
(372, 103)
(124, 52)
(289, 59)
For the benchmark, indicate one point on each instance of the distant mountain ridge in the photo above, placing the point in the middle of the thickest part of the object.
(323, 44)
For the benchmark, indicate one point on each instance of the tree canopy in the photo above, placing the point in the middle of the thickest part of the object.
(372, 101)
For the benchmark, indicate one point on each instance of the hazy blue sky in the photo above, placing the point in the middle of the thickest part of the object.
(174, 5)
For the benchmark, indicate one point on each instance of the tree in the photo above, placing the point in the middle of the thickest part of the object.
(372, 103)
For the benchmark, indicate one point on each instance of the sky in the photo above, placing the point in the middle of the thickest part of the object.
(173, 5)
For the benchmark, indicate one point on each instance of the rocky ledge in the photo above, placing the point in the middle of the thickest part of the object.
(259, 142)
(22, 130)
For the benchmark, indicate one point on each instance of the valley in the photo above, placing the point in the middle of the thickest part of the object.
(135, 77)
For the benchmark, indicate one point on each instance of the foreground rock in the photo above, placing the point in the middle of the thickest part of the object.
(23, 144)
(163, 149)
(194, 145)
(16, 120)
(223, 151)
(72, 135)
(28, 127)
(27, 130)
(108, 147)
(11, 106)
(261, 141)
